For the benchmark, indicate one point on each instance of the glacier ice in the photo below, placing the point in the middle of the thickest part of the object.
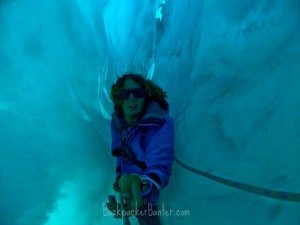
(230, 69)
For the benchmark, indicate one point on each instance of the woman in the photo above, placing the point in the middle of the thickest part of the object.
(142, 142)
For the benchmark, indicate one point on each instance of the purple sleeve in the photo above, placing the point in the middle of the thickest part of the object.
(115, 143)
(115, 140)
(118, 166)
(160, 155)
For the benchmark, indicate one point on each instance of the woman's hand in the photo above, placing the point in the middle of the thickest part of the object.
(130, 188)
(116, 184)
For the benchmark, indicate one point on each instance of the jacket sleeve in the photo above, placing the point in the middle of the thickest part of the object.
(118, 166)
(160, 156)
(115, 143)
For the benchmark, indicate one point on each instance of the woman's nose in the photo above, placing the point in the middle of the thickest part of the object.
(131, 95)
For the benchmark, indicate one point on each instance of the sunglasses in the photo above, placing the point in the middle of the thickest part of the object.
(137, 93)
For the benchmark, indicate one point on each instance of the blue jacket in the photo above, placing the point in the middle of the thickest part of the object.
(150, 147)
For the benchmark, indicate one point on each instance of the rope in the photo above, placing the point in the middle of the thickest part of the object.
(270, 193)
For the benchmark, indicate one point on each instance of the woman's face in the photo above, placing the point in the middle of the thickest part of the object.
(133, 98)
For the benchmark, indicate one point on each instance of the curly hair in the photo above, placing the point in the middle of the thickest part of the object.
(153, 92)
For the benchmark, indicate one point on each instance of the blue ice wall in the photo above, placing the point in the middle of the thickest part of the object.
(231, 71)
